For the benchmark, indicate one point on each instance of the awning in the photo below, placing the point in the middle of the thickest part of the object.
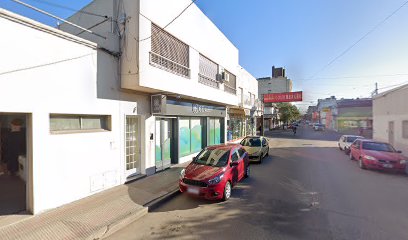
(236, 111)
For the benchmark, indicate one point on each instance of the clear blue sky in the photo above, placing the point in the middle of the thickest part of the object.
(303, 36)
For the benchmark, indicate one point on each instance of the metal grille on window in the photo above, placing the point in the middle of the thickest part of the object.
(169, 53)
(231, 85)
(132, 150)
(208, 72)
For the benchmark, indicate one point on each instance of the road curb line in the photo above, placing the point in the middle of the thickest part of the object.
(158, 201)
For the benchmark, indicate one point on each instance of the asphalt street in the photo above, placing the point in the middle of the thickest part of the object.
(306, 189)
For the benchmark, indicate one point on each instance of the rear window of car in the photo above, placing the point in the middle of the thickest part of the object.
(251, 142)
(351, 139)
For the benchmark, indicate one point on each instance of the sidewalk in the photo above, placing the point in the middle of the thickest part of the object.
(99, 215)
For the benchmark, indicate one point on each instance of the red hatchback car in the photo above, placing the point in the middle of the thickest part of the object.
(377, 155)
(215, 170)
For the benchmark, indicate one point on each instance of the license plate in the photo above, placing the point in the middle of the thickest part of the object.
(193, 190)
(387, 165)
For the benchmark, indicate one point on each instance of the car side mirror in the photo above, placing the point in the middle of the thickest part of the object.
(234, 164)
(194, 158)
(399, 151)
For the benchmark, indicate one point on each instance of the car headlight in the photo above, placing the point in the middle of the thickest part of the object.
(182, 173)
(370, 158)
(403, 161)
(216, 180)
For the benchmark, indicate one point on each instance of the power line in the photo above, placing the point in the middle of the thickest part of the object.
(56, 17)
(359, 40)
(95, 25)
(45, 64)
(174, 19)
(68, 8)
(359, 76)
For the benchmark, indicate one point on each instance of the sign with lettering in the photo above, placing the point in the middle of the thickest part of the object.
(196, 108)
(283, 97)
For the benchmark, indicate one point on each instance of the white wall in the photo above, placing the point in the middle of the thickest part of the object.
(197, 31)
(60, 76)
(274, 85)
(391, 107)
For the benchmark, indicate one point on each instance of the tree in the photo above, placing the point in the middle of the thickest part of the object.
(288, 112)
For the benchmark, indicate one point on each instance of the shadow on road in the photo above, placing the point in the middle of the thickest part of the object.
(305, 133)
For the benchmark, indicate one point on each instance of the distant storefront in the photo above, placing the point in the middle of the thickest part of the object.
(240, 123)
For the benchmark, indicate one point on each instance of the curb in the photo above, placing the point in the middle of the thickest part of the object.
(155, 203)
(118, 225)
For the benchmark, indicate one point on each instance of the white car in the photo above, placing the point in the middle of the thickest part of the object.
(257, 147)
(345, 142)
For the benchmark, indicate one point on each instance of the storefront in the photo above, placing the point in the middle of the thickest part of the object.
(184, 128)
(241, 123)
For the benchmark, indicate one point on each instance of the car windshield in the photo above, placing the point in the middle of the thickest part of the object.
(213, 157)
(251, 142)
(383, 147)
(351, 139)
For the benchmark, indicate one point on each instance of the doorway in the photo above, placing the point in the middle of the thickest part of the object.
(14, 164)
(132, 145)
(391, 132)
(163, 143)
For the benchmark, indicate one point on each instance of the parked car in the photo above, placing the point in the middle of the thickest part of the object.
(318, 127)
(345, 141)
(372, 154)
(257, 148)
(214, 171)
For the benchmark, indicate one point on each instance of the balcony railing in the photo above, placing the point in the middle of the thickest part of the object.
(229, 89)
(168, 65)
(208, 81)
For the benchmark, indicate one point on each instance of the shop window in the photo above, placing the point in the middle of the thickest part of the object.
(405, 129)
(82, 123)
(190, 136)
(215, 131)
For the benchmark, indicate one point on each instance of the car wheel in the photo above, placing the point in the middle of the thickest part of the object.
(247, 171)
(351, 156)
(361, 164)
(346, 151)
(267, 152)
(260, 159)
(340, 148)
(227, 191)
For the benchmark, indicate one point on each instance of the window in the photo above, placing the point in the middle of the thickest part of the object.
(234, 157)
(169, 53)
(208, 71)
(405, 129)
(230, 86)
(241, 152)
(190, 135)
(68, 122)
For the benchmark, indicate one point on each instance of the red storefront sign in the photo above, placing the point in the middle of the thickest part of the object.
(283, 97)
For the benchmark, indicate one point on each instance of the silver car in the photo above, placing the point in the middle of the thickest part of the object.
(345, 142)
(257, 147)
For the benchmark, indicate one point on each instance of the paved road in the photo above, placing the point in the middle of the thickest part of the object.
(306, 189)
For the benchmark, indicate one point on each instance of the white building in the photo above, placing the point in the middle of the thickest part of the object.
(133, 98)
(390, 118)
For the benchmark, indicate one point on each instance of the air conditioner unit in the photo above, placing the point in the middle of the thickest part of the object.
(158, 104)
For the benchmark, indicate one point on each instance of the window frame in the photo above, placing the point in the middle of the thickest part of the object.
(107, 123)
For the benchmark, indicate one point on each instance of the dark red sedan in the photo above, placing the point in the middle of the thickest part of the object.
(377, 155)
(214, 172)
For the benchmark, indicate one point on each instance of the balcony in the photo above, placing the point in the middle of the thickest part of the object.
(230, 90)
(208, 81)
(168, 65)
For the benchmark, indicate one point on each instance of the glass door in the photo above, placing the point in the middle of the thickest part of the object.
(214, 131)
(132, 146)
(163, 143)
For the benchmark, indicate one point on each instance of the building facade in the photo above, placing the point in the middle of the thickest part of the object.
(133, 98)
(390, 118)
(327, 111)
(355, 116)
